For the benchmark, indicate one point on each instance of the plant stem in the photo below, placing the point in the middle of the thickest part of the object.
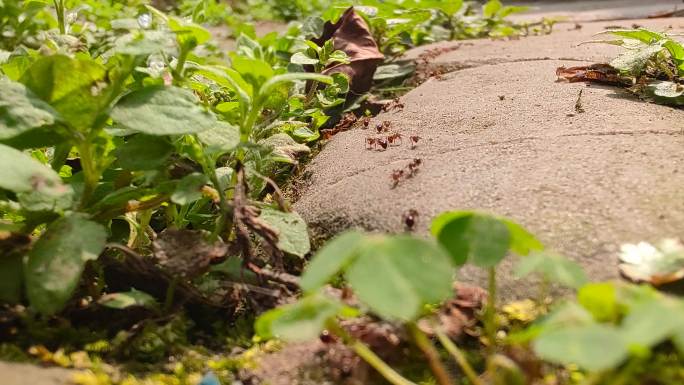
(431, 354)
(311, 93)
(182, 58)
(378, 364)
(462, 362)
(490, 324)
(367, 355)
(170, 292)
(59, 8)
(90, 175)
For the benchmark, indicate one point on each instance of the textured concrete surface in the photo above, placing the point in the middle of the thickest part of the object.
(25, 374)
(563, 43)
(588, 10)
(583, 182)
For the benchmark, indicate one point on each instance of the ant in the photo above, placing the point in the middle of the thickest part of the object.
(413, 167)
(382, 142)
(366, 122)
(383, 127)
(370, 143)
(394, 137)
(414, 140)
(407, 172)
(397, 176)
(410, 218)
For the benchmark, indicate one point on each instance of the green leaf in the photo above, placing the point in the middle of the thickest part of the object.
(189, 35)
(162, 111)
(470, 237)
(677, 53)
(128, 299)
(553, 268)
(396, 276)
(32, 178)
(652, 322)
(303, 59)
(591, 347)
(284, 148)
(293, 234)
(11, 278)
(222, 138)
(189, 189)
(144, 152)
(522, 241)
(490, 9)
(640, 34)
(511, 9)
(272, 83)
(600, 299)
(21, 110)
(57, 259)
(331, 259)
(73, 87)
(300, 321)
(633, 61)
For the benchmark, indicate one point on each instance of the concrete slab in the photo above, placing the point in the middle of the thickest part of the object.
(26, 374)
(584, 183)
(591, 10)
(563, 43)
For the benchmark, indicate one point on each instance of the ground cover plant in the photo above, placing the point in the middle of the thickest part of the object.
(650, 66)
(142, 222)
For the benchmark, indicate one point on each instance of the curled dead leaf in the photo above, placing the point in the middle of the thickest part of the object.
(351, 35)
(597, 73)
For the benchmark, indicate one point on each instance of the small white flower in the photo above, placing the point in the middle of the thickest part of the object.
(145, 20)
(71, 17)
(642, 252)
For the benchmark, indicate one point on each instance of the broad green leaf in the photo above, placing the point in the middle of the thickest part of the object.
(75, 88)
(490, 9)
(293, 234)
(511, 9)
(396, 276)
(24, 175)
(651, 322)
(222, 138)
(301, 58)
(143, 152)
(300, 321)
(633, 61)
(600, 299)
(592, 347)
(640, 34)
(162, 111)
(284, 148)
(57, 259)
(331, 259)
(272, 83)
(255, 71)
(11, 278)
(677, 52)
(471, 237)
(128, 299)
(553, 268)
(522, 241)
(143, 43)
(188, 34)
(189, 189)
(393, 71)
(21, 110)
